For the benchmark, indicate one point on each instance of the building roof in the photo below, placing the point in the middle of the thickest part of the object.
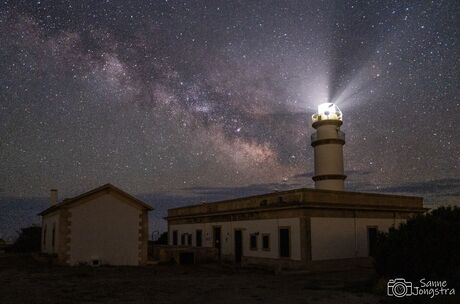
(303, 198)
(107, 187)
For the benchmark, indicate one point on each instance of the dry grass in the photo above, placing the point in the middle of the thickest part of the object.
(24, 280)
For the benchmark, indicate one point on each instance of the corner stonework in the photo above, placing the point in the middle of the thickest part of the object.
(143, 237)
(65, 235)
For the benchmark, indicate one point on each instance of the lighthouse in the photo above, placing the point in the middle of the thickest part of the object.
(328, 142)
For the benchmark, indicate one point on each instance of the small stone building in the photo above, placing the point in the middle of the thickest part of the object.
(297, 229)
(103, 226)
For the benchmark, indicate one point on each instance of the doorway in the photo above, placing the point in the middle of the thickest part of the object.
(285, 242)
(238, 245)
(217, 239)
(372, 233)
(199, 237)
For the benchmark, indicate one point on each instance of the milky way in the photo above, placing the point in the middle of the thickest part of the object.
(178, 97)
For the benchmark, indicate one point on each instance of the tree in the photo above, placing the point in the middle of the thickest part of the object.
(427, 246)
(163, 239)
(29, 240)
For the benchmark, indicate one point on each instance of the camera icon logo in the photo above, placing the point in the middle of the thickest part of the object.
(399, 288)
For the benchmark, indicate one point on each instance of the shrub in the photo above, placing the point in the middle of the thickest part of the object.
(29, 240)
(163, 239)
(427, 246)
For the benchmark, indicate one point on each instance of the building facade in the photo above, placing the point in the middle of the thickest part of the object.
(103, 226)
(302, 228)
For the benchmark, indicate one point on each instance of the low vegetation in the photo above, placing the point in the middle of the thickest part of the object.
(162, 240)
(28, 240)
(427, 246)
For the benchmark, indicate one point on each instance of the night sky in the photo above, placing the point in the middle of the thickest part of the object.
(214, 99)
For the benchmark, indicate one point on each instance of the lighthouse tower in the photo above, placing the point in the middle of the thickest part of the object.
(328, 143)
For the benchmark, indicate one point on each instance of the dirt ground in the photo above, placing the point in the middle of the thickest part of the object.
(24, 280)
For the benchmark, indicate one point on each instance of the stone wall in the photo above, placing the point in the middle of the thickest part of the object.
(166, 253)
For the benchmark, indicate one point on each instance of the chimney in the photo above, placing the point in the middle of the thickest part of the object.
(53, 196)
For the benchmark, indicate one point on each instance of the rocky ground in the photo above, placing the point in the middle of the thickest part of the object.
(25, 280)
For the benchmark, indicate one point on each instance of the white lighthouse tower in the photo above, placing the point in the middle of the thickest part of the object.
(328, 143)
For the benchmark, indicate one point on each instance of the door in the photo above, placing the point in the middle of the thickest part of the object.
(175, 237)
(285, 242)
(372, 240)
(199, 234)
(238, 245)
(217, 239)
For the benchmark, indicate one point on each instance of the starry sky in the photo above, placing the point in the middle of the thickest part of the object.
(213, 99)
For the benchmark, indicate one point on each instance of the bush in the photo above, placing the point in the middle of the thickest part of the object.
(427, 246)
(163, 239)
(29, 240)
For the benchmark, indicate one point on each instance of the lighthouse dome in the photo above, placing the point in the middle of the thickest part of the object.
(327, 111)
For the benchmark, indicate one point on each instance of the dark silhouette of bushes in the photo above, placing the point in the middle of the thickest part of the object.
(28, 241)
(163, 239)
(427, 246)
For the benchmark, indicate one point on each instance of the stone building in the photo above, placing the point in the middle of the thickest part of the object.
(301, 228)
(103, 226)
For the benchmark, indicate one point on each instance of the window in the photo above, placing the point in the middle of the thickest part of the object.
(53, 239)
(266, 242)
(182, 238)
(199, 236)
(253, 241)
(44, 236)
(189, 239)
(174, 240)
